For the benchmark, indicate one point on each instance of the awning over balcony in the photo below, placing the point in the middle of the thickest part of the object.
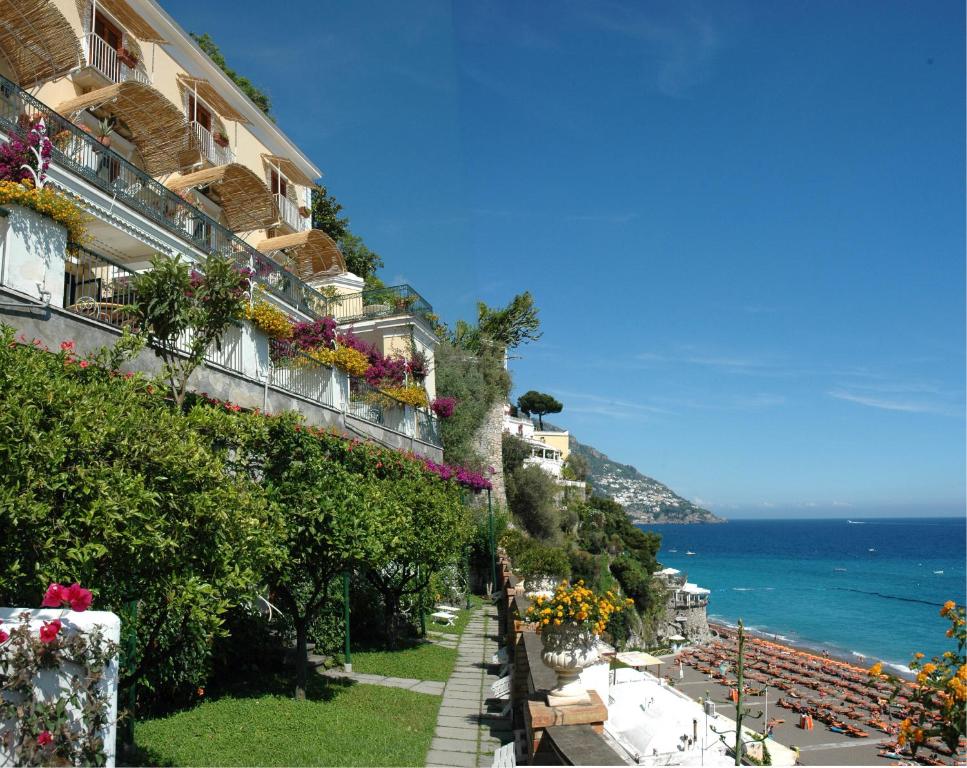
(306, 254)
(37, 40)
(244, 197)
(158, 127)
(290, 169)
(210, 96)
(130, 19)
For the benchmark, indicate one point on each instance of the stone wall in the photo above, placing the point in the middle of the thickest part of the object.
(695, 627)
(487, 443)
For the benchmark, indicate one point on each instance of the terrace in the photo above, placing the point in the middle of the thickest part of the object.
(134, 217)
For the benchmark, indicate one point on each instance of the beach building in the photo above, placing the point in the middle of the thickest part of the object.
(686, 610)
(166, 155)
(549, 449)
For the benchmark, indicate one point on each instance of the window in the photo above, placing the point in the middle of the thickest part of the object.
(277, 183)
(105, 29)
(198, 113)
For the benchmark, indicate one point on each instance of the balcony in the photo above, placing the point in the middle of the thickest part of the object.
(214, 151)
(79, 154)
(289, 213)
(114, 66)
(380, 302)
(101, 289)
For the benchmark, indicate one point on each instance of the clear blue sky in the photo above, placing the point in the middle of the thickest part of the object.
(743, 222)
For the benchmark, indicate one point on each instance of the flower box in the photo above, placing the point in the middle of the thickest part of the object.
(220, 139)
(36, 252)
(128, 58)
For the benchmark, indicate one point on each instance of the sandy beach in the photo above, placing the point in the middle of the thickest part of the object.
(819, 746)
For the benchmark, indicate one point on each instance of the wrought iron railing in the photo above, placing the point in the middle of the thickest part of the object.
(98, 288)
(84, 156)
(105, 59)
(211, 150)
(426, 427)
(301, 374)
(380, 302)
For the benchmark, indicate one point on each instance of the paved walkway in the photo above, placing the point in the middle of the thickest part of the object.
(419, 686)
(467, 731)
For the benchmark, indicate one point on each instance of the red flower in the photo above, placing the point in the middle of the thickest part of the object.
(79, 598)
(54, 597)
(48, 632)
(44, 738)
(66, 346)
(83, 363)
(4, 636)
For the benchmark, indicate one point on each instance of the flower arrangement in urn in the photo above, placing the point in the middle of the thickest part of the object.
(570, 622)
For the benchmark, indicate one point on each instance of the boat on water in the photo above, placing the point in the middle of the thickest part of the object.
(871, 549)
(689, 552)
(672, 551)
(939, 573)
(839, 569)
(856, 522)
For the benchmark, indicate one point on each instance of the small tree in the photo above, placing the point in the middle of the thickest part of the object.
(331, 526)
(741, 711)
(538, 404)
(575, 467)
(424, 529)
(183, 311)
(530, 496)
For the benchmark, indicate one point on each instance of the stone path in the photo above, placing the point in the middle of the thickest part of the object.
(467, 732)
(418, 686)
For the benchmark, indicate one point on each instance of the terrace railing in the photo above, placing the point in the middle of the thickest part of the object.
(289, 212)
(105, 59)
(84, 156)
(210, 149)
(380, 302)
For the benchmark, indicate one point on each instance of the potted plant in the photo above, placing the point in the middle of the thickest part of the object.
(220, 138)
(104, 130)
(128, 57)
(304, 211)
(570, 622)
(403, 303)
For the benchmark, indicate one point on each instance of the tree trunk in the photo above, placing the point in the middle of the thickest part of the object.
(301, 659)
(739, 698)
(391, 607)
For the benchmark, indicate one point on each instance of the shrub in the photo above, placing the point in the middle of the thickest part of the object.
(514, 450)
(269, 319)
(444, 407)
(530, 496)
(411, 394)
(106, 485)
(542, 561)
(47, 202)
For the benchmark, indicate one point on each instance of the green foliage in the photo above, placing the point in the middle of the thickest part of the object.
(325, 214)
(174, 299)
(258, 96)
(359, 259)
(477, 382)
(104, 484)
(513, 450)
(340, 724)
(423, 661)
(515, 324)
(530, 496)
(634, 580)
(575, 467)
(539, 404)
(423, 528)
(538, 561)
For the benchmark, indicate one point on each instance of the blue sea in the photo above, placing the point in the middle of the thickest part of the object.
(869, 588)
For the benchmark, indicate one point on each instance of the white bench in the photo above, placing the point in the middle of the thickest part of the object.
(501, 689)
(504, 757)
(443, 616)
(446, 608)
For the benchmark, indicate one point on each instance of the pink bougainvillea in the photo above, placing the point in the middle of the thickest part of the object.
(444, 407)
(44, 738)
(50, 630)
(4, 636)
(74, 596)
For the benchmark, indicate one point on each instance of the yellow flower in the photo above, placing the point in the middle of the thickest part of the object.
(947, 607)
(918, 655)
(270, 319)
(876, 669)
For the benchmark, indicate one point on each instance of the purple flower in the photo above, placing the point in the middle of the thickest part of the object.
(444, 407)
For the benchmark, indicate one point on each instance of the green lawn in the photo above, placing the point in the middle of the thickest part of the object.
(425, 661)
(340, 723)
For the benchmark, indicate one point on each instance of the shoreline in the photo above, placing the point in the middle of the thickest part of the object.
(849, 658)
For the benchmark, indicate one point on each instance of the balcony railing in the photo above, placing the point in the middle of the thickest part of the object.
(289, 212)
(211, 150)
(101, 289)
(105, 59)
(84, 156)
(380, 302)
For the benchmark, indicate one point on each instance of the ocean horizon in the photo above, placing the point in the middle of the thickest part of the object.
(869, 589)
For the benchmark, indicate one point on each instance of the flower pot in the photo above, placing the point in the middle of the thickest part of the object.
(104, 140)
(221, 141)
(568, 650)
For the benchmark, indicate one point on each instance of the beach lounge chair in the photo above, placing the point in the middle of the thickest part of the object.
(504, 757)
(443, 617)
(500, 690)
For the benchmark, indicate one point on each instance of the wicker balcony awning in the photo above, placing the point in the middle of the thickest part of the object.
(130, 19)
(158, 127)
(290, 169)
(37, 40)
(211, 97)
(306, 254)
(245, 198)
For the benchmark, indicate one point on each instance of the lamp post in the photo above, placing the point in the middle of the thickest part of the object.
(348, 664)
(493, 545)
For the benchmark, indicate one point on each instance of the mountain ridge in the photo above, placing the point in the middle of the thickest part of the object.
(645, 499)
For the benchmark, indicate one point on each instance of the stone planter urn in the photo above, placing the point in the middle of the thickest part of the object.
(568, 650)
